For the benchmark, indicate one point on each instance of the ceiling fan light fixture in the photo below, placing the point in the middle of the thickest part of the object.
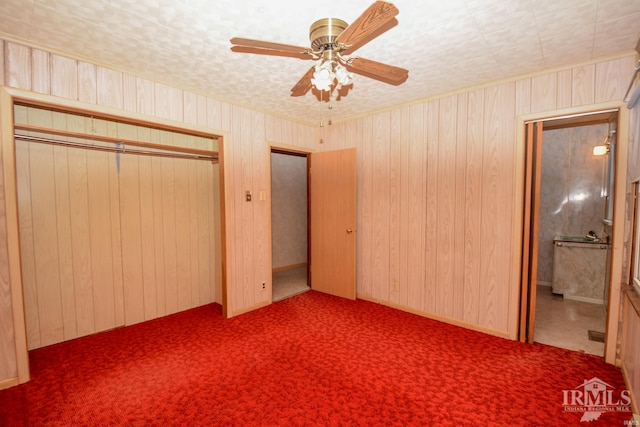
(333, 41)
(342, 75)
(324, 76)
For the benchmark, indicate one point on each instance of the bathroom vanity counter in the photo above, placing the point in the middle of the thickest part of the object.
(579, 268)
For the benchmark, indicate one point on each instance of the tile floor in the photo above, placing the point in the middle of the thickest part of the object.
(565, 323)
(288, 283)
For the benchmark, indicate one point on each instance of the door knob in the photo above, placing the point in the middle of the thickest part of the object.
(349, 231)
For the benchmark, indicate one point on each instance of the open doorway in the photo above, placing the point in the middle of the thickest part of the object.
(289, 219)
(570, 209)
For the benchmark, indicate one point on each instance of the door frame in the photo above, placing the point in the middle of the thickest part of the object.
(617, 238)
(8, 97)
(289, 151)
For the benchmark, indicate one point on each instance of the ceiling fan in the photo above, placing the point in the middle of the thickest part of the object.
(332, 39)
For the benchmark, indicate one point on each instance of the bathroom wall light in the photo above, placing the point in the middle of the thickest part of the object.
(600, 150)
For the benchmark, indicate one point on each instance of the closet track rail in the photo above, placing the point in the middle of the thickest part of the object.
(122, 146)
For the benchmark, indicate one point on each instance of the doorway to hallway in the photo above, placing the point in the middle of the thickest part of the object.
(290, 225)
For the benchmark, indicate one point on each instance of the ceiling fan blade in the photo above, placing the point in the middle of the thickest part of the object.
(273, 52)
(377, 16)
(260, 44)
(304, 84)
(377, 70)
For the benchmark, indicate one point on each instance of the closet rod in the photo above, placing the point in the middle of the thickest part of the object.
(128, 142)
(121, 150)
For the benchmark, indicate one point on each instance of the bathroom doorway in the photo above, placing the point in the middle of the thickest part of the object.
(570, 195)
(289, 223)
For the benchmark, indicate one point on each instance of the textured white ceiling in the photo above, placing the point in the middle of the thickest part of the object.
(445, 44)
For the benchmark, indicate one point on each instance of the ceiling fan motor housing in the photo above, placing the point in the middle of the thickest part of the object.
(323, 33)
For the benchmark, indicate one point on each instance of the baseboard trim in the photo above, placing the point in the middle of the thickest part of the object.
(289, 267)
(584, 299)
(8, 383)
(432, 316)
(253, 307)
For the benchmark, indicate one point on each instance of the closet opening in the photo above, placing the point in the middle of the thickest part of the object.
(111, 221)
(289, 223)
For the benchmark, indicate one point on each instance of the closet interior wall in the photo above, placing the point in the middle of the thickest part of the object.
(112, 239)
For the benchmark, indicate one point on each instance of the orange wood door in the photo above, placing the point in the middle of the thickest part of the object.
(332, 184)
(533, 175)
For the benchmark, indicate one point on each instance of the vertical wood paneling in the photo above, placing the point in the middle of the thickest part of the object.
(445, 230)
(158, 229)
(497, 192)
(190, 105)
(583, 85)
(193, 227)
(41, 78)
(523, 96)
(110, 87)
(44, 230)
(99, 211)
(79, 208)
(544, 92)
(204, 221)
(183, 239)
(19, 72)
(246, 232)
(87, 82)
(129, 92)
(63, 235)
(355, 132)
(235, 202)
(201, 103)
(430, 199)
(64, 77)
(131, 225)
(506, 197)
(490, 262)
(459, 215)
(485, 171)
(12, 332)
(473, 205)
(145, 95)
(404, 147)
(27, 254)
(148, 234)
(168, 102)
(612, 78)
(261, 210)
(116, 231)
(631, 347)
(368, 196)
(2, 62)
(381, 206)
(416, 208)
(169, 230)
(395, 173)
(563, 96)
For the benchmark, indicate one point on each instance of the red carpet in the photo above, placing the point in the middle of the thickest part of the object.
(309, 360)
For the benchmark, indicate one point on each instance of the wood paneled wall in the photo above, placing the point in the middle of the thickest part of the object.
(631, 348)
(436, 180)
(246, 133)
(437, 196)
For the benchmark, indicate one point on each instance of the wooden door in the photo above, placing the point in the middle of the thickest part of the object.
(332, 193)
(533, 172)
